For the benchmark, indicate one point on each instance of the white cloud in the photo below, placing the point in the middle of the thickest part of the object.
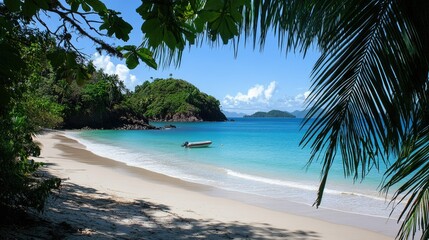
(297, 101)
(122, 71)
(268, 93)
(263, 98)
(258, 97)
(255, 94)
(104, 62)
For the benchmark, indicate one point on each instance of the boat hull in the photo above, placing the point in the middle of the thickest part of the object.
(201, 144)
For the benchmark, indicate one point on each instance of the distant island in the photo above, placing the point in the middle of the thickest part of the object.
(272, 113)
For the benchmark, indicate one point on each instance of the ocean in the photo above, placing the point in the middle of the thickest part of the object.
(258, 156)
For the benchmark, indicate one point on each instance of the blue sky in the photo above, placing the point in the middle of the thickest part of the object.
(252, 81)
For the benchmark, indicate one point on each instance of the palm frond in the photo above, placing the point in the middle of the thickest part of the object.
(411, 173)
(369, 90)
(413, 170)
(297, 23)
(357, 85)
(351, 94)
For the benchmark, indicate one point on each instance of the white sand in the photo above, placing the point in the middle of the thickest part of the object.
(103, 198)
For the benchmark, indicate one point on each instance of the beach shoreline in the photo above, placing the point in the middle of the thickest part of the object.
(227, 212)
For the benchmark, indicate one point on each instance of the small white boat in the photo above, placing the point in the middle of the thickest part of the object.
(196, 144)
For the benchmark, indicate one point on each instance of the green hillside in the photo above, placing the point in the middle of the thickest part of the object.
(174, 100)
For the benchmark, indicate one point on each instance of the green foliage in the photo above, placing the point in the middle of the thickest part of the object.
(42, 111)
(222, 18)
(170, 26)
(21, 115)
(133, 54)
(69, 65)
(115, 24)
(21, 185)
(96, 104)
(167, 23)
(96, 5)
(174, 99)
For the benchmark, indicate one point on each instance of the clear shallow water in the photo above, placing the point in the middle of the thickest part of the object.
(256, 156)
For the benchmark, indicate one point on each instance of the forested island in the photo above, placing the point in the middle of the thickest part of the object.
(272, 113)
(174, 100)
(103, 102)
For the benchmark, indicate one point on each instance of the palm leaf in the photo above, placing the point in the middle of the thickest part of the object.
(353, 91)
(411, 172)
(367, 82)
(414, 171)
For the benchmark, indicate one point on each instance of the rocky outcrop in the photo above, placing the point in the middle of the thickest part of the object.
(178, 117)
(129, 122)
(120, 119)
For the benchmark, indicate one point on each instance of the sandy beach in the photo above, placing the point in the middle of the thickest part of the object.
(104, 199)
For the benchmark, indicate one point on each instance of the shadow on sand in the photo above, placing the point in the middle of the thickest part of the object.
(78, 212)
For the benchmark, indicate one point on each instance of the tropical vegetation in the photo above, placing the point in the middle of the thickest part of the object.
(174, 100)
(21, 113)
(370, 85)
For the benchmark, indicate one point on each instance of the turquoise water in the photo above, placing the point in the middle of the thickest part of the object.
(254, 156)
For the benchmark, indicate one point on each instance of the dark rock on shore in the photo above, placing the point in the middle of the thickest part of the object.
(131, 122)
(179, 117)
(119, 120)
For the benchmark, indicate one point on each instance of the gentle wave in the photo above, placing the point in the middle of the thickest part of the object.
(291, 184)
(270, 180)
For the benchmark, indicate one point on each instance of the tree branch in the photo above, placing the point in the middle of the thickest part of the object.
(103, 45)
